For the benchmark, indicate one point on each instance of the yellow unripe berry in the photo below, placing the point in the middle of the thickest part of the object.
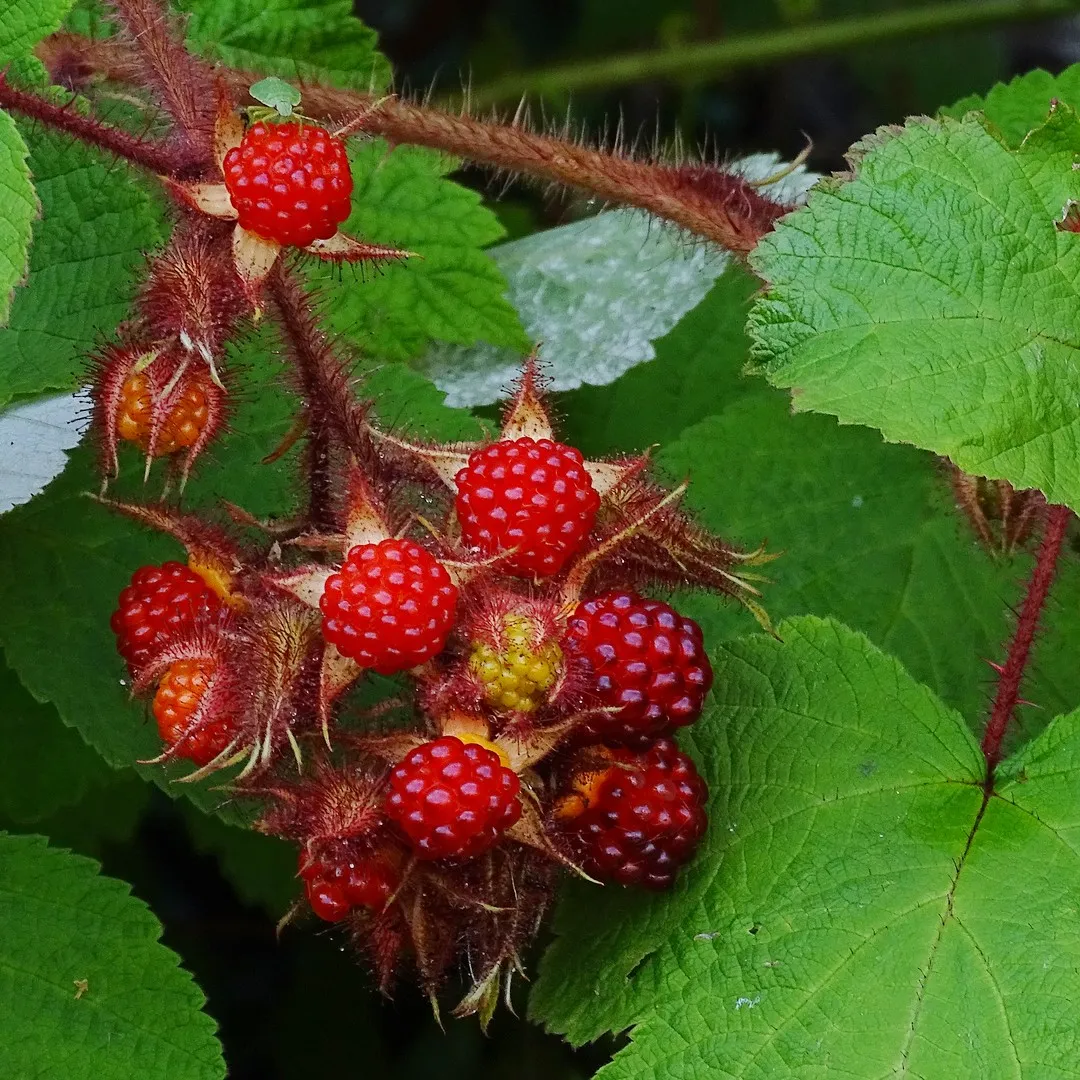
(516, 674)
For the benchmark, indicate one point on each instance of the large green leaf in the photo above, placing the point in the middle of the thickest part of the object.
(453, 292)
(20, 208)
(86, 990)
(301, 40)
(98, 221)
(860, 908)
(934, 298)
(23, 23)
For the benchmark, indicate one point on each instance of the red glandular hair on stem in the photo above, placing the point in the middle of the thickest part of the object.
(703, 199)
(1011, 673)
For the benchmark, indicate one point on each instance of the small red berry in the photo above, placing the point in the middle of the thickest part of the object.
(534, 496)
(290, 183)
(641, 819)
(159, 603)
(390, 607)
(178, 696)
(328, 899)
(182, 427)
(367, 882)
(645, 658)
(453, 799)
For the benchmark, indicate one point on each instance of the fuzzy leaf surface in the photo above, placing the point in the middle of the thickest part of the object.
(20, 209)
(139, 1014)
(858, 911)
(298, 40)
(598, 293)
(933, 297)
(23, 23)
(454, 292)
(98, 221)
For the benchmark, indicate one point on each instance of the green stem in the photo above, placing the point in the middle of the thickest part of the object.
(715, 58)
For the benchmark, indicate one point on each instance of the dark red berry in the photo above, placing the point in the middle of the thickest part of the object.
(290, 183)
(534, 496)
(639, 820)
(390, 607)
(645, 658)
(178, 696)
(328, 899)
(160, 603)
(453, 799)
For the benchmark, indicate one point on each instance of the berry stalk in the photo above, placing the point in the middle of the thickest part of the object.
(1012, 671)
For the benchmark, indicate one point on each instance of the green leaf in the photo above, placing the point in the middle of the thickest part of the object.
(98, 221)
(860, 908)
(933, 297)
(866, 534)
(45, 766)
(453, 292)
(1023, 104)
(598, 293)
(20, 209)
(85, 987)
(318, 41)
(697, 371)
(23, 23)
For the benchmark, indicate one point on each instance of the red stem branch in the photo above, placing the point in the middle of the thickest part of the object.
(147, 155)
(705, 200)
(1027, 624)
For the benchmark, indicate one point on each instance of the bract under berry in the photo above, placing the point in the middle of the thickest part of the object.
(533, 496)
(160, 603)
(289, 183)
(390, 607)
(453, 799)
(646, 659)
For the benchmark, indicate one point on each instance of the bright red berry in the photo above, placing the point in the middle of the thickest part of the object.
(336, 886)
(390, 607)
(645, 658)
(638, 821)
(534, 496)
(159, 603)
(453, 799)
(178, 695)
(290, 183)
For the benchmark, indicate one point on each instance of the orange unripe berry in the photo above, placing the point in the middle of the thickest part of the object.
(183, 425)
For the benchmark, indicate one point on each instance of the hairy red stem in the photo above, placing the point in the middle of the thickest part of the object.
(702, 199)
(1027, 624)
(147, 155)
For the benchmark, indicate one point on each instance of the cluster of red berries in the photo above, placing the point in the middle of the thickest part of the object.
(504, 580)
